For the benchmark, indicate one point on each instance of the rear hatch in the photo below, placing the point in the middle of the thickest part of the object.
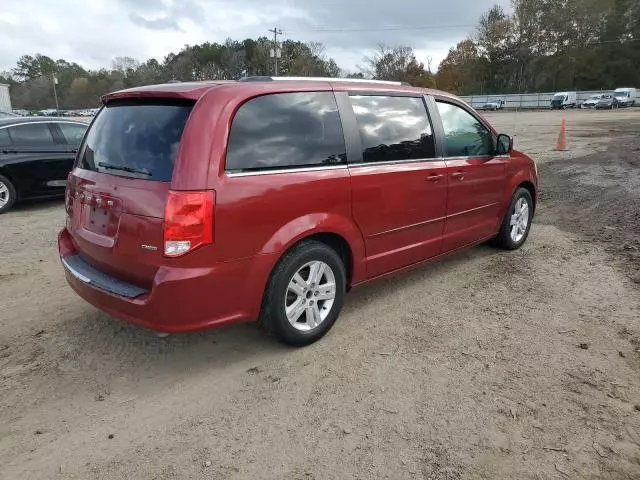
(117, 192)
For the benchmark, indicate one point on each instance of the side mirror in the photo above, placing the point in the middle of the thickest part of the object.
(504, 144)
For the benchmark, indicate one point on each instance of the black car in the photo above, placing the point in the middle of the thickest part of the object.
(607, 101)
(36, 154)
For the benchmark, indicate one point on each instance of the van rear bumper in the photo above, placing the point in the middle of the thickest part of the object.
(181, 299)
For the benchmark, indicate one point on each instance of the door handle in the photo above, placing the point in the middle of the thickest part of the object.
(435, 177)
(458, 175)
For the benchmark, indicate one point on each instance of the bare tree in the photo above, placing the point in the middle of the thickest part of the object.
(396, 63)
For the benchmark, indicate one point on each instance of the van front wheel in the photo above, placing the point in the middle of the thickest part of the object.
(305, 294)
(517, 221)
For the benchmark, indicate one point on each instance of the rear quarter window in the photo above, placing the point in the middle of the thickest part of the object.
(286, 130)
(73, 132)
(31, 135)
(136, 139)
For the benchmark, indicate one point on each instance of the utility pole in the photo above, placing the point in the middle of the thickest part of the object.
(55, 93)
(275, 52)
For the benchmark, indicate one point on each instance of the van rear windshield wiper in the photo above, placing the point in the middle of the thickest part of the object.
(122, 168)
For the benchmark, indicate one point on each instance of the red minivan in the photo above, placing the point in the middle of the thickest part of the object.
(194, 205)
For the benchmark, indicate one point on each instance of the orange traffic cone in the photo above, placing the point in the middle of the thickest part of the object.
(561, 145)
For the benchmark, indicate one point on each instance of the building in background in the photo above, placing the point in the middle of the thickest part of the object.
(5, 99)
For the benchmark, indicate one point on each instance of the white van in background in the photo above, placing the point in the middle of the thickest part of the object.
(564, 100)
(626, 97)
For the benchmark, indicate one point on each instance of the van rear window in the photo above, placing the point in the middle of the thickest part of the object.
(136, 139)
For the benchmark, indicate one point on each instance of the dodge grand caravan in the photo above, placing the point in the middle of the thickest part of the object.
(194, 205)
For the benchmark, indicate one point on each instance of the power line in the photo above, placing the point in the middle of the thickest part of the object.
(386, 28)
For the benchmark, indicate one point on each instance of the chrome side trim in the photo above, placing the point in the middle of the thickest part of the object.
(353, 165)
(75, 273)
(469, 156)
(432, 220)
(406, 227)
(473, 209)
(426, 160)
(286, 170)
(394, 162)
(44, 121)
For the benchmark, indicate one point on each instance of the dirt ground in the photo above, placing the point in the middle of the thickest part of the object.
(489, 365)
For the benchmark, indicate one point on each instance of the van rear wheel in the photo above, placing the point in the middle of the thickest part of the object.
(304, 294)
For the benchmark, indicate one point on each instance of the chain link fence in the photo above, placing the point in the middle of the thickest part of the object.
(525, 100)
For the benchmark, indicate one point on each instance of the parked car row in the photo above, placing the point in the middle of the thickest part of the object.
(90, 112)
(621, 97)
(52, 112)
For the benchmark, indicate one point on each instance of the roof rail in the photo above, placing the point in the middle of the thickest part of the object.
(321, 79)
(257, 78)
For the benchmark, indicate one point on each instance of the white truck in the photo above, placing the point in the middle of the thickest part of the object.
(564, 100)
(625, 97)
(494, 104)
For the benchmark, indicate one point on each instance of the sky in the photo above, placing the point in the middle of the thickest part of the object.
(93, 32)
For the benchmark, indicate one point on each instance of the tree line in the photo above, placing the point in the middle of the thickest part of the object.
(543, 45)
(548, 45)
(32, 80)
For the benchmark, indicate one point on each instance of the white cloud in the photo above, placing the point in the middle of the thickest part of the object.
(93, 32)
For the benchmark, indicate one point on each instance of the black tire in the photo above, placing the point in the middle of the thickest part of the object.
(504, 239)
(11, 194)
(273, 317)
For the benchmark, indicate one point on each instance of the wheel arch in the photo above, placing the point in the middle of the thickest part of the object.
(6, 172)
(528, 185)
(337, 243)
(336, 231)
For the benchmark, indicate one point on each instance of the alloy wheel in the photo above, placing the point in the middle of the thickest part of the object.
(310, 295)
(4, 194)
(519, 219)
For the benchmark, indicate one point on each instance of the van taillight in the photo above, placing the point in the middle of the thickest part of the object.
(188, 222)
